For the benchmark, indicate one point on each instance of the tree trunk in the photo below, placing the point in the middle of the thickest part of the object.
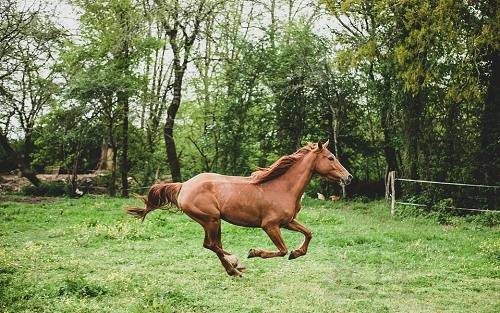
(387, 128)
(173, 160)
(112, 181)
(489, 172)
(172, 157)
(389, 151)
(412, 132)
(181, 55)
(74, 173)
(21, 163)
(123, 99)
(112, 143)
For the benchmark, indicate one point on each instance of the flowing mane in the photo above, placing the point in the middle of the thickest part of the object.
(280, 167)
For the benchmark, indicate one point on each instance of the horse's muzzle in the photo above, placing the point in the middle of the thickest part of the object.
(346, 180)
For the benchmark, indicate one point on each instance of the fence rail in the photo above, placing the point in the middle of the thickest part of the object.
(391, 189)
(448, 207)
(446, 183)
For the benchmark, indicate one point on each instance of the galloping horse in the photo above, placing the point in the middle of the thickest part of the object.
(269, 198)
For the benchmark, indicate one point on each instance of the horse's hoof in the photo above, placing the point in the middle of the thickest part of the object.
(234, 273)
(293, 255)
(233, 260)
(241, 268)
(252, 253)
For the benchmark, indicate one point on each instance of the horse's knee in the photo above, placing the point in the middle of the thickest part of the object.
(308, 234)
(209, 245)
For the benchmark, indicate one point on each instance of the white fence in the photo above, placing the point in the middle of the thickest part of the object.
(391, 189)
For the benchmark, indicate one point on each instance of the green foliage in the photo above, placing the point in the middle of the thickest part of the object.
(50, 189)
(77, 286)
(491, 250)
(403, 86)
(67, 133)
(487, 219)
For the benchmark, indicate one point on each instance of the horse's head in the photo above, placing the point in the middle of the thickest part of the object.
(329, 167)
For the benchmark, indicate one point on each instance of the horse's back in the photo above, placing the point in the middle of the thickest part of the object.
(211, 186)
(235, 198)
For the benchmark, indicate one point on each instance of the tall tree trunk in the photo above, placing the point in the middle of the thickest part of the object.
(123, 99)
(123, 59)
(21, 163)
(412, 132)
(112, 143)
(387, 126)
(389, 151)
(489, 172)
(172, 157)
(181, 55)
(74, 173)
(112, 182)
(28, 146)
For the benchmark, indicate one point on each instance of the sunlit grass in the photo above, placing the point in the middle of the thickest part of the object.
(86, 255)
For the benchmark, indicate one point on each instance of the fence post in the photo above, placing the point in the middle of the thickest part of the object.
(393, 192)
(387, 180)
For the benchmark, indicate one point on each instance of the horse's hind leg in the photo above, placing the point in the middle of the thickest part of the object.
(274, 233)
(213, 242)
(233, 259)
(296, 226)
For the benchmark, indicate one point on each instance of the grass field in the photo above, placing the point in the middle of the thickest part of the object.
(86, 255)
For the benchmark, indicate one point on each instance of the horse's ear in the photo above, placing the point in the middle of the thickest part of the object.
(325, 145)
(320, 146)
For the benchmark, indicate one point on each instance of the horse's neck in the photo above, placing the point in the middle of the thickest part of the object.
(299, 175)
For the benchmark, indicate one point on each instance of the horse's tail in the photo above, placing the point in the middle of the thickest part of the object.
(159, 195)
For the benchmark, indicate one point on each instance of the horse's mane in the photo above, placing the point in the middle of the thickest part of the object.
(278, 168)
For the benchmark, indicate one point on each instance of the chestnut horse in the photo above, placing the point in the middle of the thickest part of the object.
(269, 199)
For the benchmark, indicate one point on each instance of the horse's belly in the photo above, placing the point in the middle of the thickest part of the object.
(237, 216)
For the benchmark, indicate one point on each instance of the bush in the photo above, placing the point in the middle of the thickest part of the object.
(487, 219)
(79, 287)
(51, 189)
(443, 213)
(491, 250)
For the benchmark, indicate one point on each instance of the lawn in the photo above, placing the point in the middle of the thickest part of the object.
(86, 255)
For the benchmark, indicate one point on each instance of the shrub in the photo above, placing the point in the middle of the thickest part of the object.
(51, 189)
(487, 219)
(78, 286)
(490, 249)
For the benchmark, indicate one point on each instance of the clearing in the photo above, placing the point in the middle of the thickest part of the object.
(87, 255)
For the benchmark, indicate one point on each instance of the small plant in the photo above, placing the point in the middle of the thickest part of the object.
(491, 250)
(78, 286)
(121, 230)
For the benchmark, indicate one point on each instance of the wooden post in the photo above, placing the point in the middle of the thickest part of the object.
(392, 177)
(387, 180)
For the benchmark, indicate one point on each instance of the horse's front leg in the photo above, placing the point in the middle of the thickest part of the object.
(274, 233)
(296, 226)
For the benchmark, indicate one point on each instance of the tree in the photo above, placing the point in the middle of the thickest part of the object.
(102, 68)
(182, 23)
(28, 76)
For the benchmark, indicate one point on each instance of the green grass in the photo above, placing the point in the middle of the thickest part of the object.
(86, 255)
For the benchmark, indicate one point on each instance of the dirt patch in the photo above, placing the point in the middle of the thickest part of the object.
(14, 183)
(29, 200)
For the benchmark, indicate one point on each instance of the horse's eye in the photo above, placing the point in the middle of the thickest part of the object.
(331, 158)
